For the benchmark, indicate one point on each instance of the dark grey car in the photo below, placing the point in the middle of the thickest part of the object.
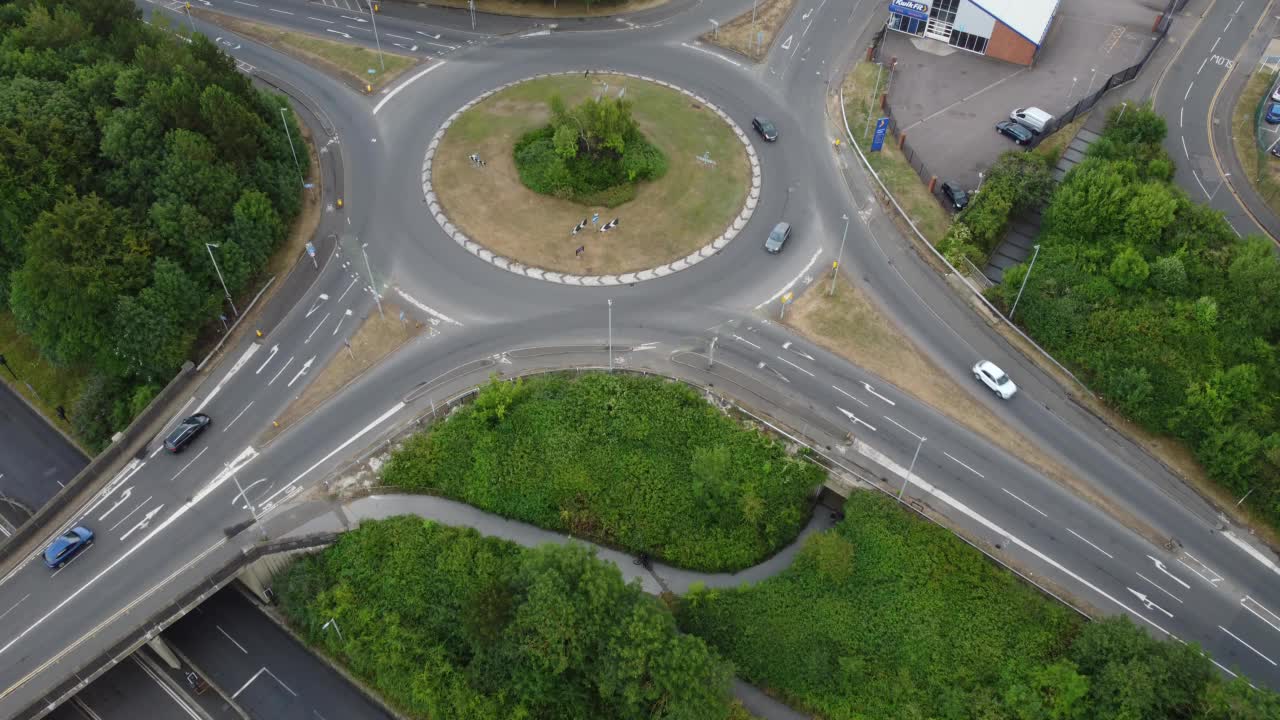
(778, 237)
(186, 431)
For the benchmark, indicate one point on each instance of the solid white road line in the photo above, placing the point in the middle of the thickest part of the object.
(282, 12)
(71, 561)
(1274, 620)
(286, 364)
(975, 472)
(326, 22)
(900, 425)
(863, 404)
(131, 512)
(1255, 650)
(233, 640)
(1095, 547)
(184, 467)
(182, 703)
(1156, 586)
(806, 372)
(6, 612)
(395, 91)
(794, 280)
(734, 63)
(1024, 502)
(237, 417)
(398, 37)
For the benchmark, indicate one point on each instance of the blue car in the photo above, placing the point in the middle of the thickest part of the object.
(1273, 113)
(67, 546)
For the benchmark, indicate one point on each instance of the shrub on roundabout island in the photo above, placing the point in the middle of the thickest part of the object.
(592, 154)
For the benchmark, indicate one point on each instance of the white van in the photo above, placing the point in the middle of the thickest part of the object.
(1033, 118)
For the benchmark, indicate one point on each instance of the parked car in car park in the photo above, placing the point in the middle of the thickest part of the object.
(765, 128)
(1032, 118)
(778, 237)
(186, 431)
(67, 546)
(1014, 131)
(958, 198)
(1275, 94)
(995, 379)
(1273, 113)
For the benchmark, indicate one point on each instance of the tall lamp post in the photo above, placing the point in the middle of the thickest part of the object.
(919, 445)
(210, 247)
(296, 164)
(835, 269)
(375, 34)
(610, 334)
(1024, 282)
(253, 511)
(372, 286)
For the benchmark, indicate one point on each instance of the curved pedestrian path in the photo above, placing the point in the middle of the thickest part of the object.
(331, 517)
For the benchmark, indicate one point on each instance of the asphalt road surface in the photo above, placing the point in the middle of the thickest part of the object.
(162, 522)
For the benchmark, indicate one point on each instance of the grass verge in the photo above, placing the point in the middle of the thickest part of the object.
(350, 63)
(34, 378)
(668, 219)
(862, 89)
(1058, 142)
(639, 463)
(1262, 171)
(850, 325)
(883, 616)
(743, 33)
(376, 338)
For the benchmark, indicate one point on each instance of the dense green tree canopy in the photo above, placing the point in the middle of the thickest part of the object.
(122, 153)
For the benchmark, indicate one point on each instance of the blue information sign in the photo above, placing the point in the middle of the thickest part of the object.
(877, 140)
(911, 8)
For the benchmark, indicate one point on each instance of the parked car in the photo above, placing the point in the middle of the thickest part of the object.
(186, 431)
(1014, 131)
(1275, 94)
(1275, 149)
(778, 237)
(765, 128)
(1273, 113)
(1032, 118)
(67, 546)
(958, 198)
(995, 379)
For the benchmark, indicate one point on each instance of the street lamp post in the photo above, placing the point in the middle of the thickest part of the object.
(610, 334)
(297, 166)
(1221, 181)
(711, 352)
(375, 35)
(836, 268)
(248, 505)
(210, 247)
(913, 466)
(1024, 282)
(372, 285)
(334, 623)
(981, 177)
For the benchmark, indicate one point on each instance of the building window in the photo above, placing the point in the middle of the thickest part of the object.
(944, 11)
(909, 25)
(969, 41)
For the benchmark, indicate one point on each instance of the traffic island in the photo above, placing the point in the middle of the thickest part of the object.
(752, 33)
(701, 186)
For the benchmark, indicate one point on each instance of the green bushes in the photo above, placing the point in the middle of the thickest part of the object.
(640, 463)
(447, 624)
(593, 154)
(889, 616)
(1156, 303)
(1017, 182)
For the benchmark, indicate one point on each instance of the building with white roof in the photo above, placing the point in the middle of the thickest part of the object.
(1010, 30)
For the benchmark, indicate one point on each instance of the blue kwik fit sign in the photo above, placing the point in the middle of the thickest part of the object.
(877, 140)
(911, 8)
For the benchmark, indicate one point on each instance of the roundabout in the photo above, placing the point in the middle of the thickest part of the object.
(472, 184)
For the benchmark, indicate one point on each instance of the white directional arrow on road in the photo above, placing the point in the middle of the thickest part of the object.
(786, 44)
(787, 346)
(406, 47)
(305, 367)
(345, 315)
(427, 34)
(143, 523)
(1161, 568)
(854, 418)
(338, 32)
(274, 349)
(317, 304)
(867, 386)
(1147, 602)
(123, 496)
(353, 19)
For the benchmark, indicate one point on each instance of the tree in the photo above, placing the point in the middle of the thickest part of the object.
(1150, 213)
(1051, 692)
(1129, 270)
(155, 329)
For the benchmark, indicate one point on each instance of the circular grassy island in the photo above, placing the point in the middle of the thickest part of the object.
(560, 149)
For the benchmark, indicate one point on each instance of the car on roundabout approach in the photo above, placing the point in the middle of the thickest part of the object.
(186, 431)
(67, 546)
(778, 238)
(995, 379)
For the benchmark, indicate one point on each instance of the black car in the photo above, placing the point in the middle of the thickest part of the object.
(765, 128)
(778, 238)
(1014, 131)
(186, 431)
(959, 198)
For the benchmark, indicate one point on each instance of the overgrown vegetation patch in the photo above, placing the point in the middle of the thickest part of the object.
(889, 616)
(640, 463)
(447, 624)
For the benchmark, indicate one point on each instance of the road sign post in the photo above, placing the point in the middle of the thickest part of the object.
(786, 300)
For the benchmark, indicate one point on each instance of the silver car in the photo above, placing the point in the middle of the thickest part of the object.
(995, 379)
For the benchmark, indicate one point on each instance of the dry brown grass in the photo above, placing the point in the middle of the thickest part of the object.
(668, 219)
(851, 326)
(739, 34)
(375, 339)
(347, 62)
